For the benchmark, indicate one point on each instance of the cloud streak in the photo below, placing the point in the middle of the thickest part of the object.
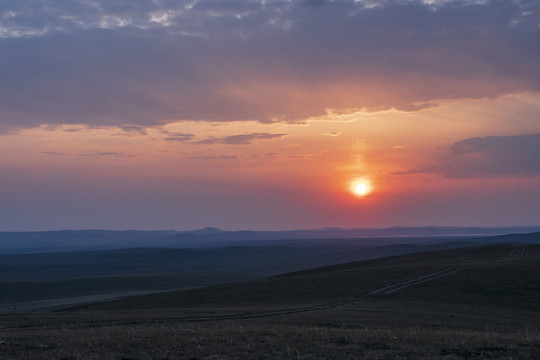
(182, 137)
(214, 157)
(53, 153)
(106, 154)
(241, 139)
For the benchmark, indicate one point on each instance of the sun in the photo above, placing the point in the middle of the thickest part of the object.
(360, 187)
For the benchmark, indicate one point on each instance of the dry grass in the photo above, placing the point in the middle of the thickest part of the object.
(265, 340)
(491, 313)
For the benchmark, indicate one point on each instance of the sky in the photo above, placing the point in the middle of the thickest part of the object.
(264, 114)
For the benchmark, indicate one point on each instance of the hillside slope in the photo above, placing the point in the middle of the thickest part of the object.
(500, 274)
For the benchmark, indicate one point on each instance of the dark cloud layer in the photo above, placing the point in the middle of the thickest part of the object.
(145, 63)
(491, 156)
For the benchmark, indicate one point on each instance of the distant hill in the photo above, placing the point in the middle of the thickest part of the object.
(73, 240)
(531, 238)
(208, 231)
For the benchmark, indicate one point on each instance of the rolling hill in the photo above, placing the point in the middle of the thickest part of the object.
(32, 282)
(467, 303)
(502, 276)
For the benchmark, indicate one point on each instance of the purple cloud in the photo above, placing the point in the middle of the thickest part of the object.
(146, 63)
(490, 156)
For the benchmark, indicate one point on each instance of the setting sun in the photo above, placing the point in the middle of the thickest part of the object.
(360, 188)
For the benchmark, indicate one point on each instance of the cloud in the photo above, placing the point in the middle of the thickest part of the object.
(145, 63)
(53, 153)
(108, 153)
(105, 154)
(141, 130)
(179, 137)
(491, 156)
(242, 139)
(214, 157)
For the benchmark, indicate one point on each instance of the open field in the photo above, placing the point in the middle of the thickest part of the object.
(45, 281)
(262, 340)
(475, 303)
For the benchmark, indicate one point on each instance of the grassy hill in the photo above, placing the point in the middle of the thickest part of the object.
(468, 303)
(484, 274)
(37, 282)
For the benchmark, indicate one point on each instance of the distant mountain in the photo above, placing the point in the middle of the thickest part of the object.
(208, 231)
(71, 240)
(209, 237)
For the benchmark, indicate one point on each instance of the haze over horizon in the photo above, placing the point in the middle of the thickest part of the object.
(371, 231)
(264, 115)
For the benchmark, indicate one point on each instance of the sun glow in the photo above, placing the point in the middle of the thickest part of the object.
(360, 187)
